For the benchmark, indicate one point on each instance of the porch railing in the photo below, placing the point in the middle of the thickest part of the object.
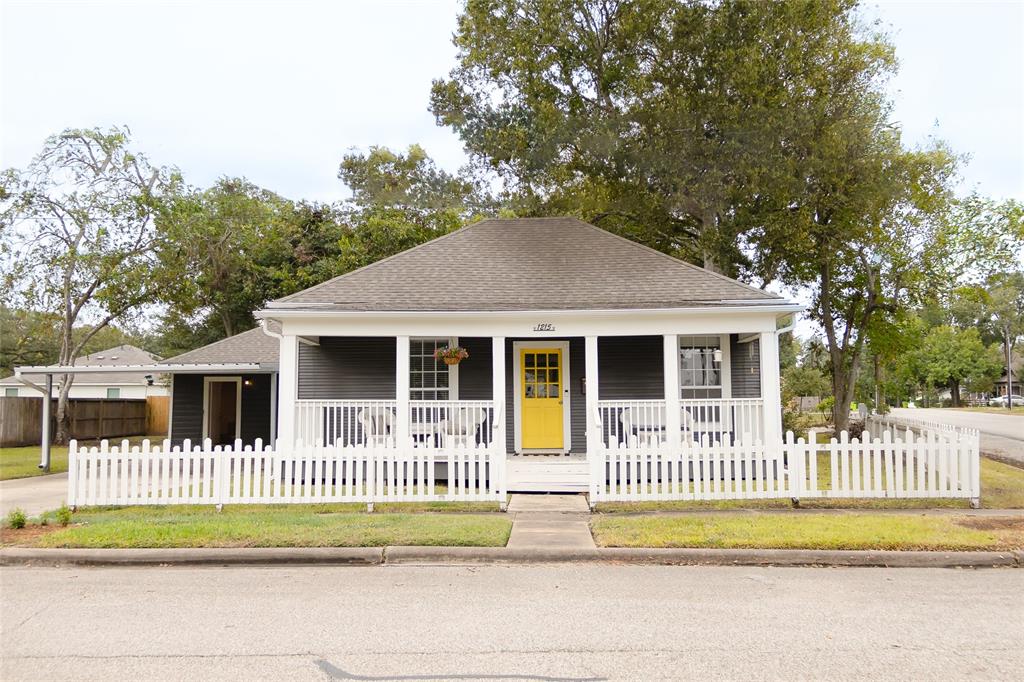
(431, 423)
(629, 423)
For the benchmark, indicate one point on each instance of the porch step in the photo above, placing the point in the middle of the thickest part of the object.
(547, 474)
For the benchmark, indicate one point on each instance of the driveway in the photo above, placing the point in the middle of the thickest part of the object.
(34, 495)
(1002, 435)
(568, 622)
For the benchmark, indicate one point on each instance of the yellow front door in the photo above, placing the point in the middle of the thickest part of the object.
(541, 393)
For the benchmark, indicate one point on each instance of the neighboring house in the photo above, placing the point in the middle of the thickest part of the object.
(101, 384)
(1000, 386)
(576, 338)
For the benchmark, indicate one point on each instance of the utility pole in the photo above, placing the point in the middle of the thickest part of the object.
(1009, 370)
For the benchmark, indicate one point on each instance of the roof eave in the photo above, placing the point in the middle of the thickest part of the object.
(779, 306)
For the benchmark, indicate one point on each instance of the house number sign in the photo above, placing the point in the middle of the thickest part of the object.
(543, 327)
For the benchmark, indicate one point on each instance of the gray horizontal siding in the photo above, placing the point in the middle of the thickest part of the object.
(348, 368)
(631, 367)
(745, 363)
(475, 371)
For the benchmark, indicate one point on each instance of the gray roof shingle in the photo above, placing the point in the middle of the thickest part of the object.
(254, 346)
(527, 264)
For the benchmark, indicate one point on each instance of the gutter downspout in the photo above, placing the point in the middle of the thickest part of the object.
(266, 330)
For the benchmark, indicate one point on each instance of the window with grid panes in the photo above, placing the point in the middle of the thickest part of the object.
(697, 366)
(429, 379)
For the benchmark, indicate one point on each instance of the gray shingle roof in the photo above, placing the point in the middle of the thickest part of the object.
(254, 346)
(527, 264)
(111, 357)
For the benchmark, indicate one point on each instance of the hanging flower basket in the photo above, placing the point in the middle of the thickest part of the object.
(452, 355)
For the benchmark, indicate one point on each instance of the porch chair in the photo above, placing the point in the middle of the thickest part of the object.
(460, 430)
(650, 428)
(377, 425)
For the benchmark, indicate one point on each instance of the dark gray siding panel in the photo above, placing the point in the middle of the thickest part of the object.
(348, 368)
(631, 367)
(475, 371)
(577, 401)
(256, 408)
(187, 408)
(745, 360)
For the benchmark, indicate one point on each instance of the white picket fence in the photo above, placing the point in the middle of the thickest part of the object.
(207, 474)
(939, 464)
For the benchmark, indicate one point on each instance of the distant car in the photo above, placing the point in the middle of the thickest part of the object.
(1000, 401)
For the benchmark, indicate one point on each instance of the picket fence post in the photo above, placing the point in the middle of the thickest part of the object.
(797, 467)
(221, 472)
(73, 474)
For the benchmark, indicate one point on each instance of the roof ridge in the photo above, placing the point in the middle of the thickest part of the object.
(382, 260)
(211, 345)
(677, 261)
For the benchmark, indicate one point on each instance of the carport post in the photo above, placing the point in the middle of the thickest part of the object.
(44, 462)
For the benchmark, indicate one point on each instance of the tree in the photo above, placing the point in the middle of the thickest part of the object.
(79, 230)
(950, 357)
(667, 121)
(230, 247)
(402, 200)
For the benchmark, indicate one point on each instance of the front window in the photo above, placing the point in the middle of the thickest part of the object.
(429, 379)
(700, 366)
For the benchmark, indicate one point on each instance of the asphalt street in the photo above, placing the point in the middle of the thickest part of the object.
(1002, 435)
(540, 622)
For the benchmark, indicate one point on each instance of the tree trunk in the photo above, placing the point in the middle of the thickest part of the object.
(954, 392)
(63, 432)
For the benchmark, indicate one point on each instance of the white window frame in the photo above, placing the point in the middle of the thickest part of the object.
(113, 397)
(453, 370)
(8, 393)
(724, 369)
(207, 380)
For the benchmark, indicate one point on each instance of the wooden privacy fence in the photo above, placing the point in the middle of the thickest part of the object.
(208, 474)
(931, 464)
(21, 419)
(158, 412)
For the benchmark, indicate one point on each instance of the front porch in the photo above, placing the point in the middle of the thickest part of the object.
(548, 404)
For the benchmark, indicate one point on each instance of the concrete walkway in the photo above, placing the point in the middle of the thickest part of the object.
(33, 495)
(550, 522)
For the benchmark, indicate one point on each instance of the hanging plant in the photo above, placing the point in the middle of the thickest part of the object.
(452, 355)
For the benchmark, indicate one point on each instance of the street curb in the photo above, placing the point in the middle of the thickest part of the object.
(372, 556)
(252, 556)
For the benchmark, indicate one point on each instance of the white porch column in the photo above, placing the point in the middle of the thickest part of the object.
(593, 427)
(771, 390)
(401, 433)
(498, 391)
(287, 389)
(673, 427)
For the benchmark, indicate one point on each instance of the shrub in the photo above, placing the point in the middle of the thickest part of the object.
(16, 518)
(64, 515)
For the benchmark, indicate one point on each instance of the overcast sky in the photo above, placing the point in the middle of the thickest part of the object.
(278, 91)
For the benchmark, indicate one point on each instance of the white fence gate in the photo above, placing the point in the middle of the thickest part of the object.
(935, 463)
(208, 474)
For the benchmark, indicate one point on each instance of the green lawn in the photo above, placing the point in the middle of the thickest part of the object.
(1002, 487)
(264, 526)
(24, 461)
(810, 531)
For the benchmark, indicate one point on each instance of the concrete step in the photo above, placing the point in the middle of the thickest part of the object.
(547, 474)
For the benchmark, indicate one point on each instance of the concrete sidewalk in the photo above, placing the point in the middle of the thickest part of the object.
(558, 522)
(33, 495)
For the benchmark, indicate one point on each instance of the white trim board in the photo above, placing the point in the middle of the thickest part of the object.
(206, 402)
(517, 394)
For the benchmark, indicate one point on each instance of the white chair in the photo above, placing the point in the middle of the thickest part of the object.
(377, 425)
(649, 425)
(460, 429)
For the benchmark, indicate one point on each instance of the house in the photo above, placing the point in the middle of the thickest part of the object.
(113, 383)
(1002, 384)
(576, 339)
